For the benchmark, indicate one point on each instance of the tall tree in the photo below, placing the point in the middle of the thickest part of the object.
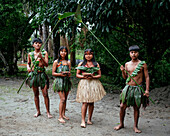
(15, 30)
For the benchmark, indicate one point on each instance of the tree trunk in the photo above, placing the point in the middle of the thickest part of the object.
(4, 61)
(11, 60)
(50, 48)
(84, 31)
(45, 36)
(23, 55)
(41, 32)
(56, 44)
(72, 48)
(15, 59)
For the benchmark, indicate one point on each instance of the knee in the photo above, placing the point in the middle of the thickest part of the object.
(84, 103)
(122, 106)
(136, 108)
(36, 95)
(45, 94)
(62, 100)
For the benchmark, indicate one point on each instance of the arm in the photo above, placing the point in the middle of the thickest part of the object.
(29, 63)
(69, 64)
(98, 73)
(54, 69)
(78, 74)
(147, 80)
(122, 68)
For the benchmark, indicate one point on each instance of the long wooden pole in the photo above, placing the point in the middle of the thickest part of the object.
(116, 60)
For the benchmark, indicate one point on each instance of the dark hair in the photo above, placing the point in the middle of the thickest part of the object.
(59, 56)
(93, 59)
(37, 40)
(134, 48)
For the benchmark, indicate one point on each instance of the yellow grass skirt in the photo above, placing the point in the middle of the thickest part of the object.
(90, 90)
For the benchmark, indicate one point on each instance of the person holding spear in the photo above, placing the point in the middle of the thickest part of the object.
(132, 95)
(37, 77)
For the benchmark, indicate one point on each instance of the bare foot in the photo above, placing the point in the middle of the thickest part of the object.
(89, 123)
(37, 114)
(65, 117)
(61, 120)
(118, 127)
(83, 125)
(137, 130)
(49, 115)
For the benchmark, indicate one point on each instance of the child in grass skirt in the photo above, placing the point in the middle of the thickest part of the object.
(89, 89)
(62, 84)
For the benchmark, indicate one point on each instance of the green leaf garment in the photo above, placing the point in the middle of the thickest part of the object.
(88, 69)
(133, 95)
(38, 77)
(61, 83)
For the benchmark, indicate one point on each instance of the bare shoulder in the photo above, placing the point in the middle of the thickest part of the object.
(128, 63)
(145, 65)
(80, 63)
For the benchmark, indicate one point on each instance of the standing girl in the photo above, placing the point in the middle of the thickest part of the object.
(89, 88)
(61, 70)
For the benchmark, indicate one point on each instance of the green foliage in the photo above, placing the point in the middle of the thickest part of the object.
(118, 24)
(162, 76)
(15, 30)
(121, 24)
(88, 69)
(77, 17)
(65, 15)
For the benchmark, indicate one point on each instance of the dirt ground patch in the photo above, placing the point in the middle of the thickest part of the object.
(17, 110)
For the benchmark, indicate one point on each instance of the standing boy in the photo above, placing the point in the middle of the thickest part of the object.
(37, 77)
(132, 95)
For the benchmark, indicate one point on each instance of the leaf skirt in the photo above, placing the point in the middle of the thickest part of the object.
(90, 91)
(62, 84)
(37, 80)
(133, 95)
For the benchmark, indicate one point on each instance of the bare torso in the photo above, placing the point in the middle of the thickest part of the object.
(42, 61)
(130, 67)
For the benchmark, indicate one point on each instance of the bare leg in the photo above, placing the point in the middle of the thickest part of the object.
(83, 114)
(136, 119)
(122, 116)
(46, 99)
(64, 106)
(36, 100)
(90, 112)
(61, 106)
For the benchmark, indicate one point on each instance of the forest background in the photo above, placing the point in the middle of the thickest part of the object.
(117, 23)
